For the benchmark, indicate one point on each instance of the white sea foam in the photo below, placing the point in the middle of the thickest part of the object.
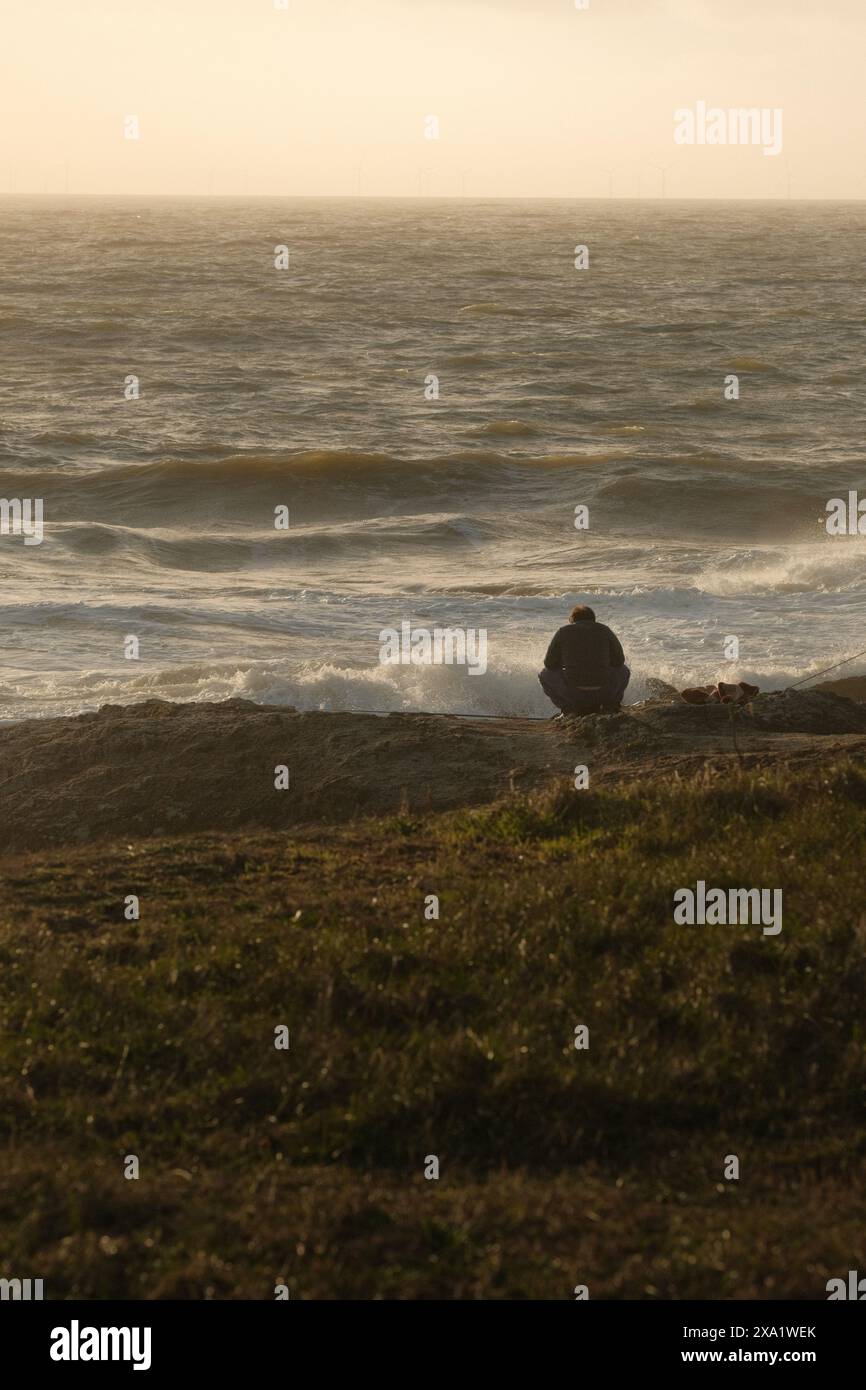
(831, 566)
(511, 690)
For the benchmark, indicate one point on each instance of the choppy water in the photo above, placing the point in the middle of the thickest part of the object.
(305, 388)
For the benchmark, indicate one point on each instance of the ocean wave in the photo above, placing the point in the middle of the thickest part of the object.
(832, 566)
(194, 514)
(81, 618)
(517, 429)
(218, 551)
(752, 364)
(65, 438)
(167, 481)
(488, 308)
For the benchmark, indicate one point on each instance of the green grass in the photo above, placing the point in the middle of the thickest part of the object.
(451, 1037)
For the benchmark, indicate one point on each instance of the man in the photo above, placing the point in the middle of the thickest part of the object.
(584, 669)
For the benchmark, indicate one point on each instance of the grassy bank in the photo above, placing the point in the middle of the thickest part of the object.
(453, 1037)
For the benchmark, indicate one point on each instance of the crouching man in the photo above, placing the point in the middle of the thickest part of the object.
(584, 669)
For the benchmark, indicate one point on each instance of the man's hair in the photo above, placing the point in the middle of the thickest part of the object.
(581, 614)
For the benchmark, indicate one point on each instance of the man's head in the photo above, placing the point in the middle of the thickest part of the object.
(581, 614)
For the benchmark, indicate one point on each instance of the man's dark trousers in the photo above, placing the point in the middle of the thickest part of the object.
(561, 690)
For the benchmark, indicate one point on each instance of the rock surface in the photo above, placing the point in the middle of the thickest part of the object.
(161, 768)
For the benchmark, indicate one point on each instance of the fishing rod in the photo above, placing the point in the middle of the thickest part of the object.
(834, 667)
(452, 714)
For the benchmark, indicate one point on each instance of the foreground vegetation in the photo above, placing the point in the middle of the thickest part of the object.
(451, 1037)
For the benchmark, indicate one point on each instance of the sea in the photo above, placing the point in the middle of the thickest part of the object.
(465, 420)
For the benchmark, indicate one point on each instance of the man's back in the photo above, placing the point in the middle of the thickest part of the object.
(586, 651)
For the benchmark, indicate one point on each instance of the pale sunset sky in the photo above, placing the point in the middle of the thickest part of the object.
(534, 98)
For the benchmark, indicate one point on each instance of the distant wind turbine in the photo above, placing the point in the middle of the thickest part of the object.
(662, 169)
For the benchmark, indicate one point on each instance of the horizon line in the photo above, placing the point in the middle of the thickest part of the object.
(464, 197)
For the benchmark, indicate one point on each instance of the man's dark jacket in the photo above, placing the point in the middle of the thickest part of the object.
(586, 651)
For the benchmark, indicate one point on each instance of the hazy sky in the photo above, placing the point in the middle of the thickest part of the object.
(533, 97)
